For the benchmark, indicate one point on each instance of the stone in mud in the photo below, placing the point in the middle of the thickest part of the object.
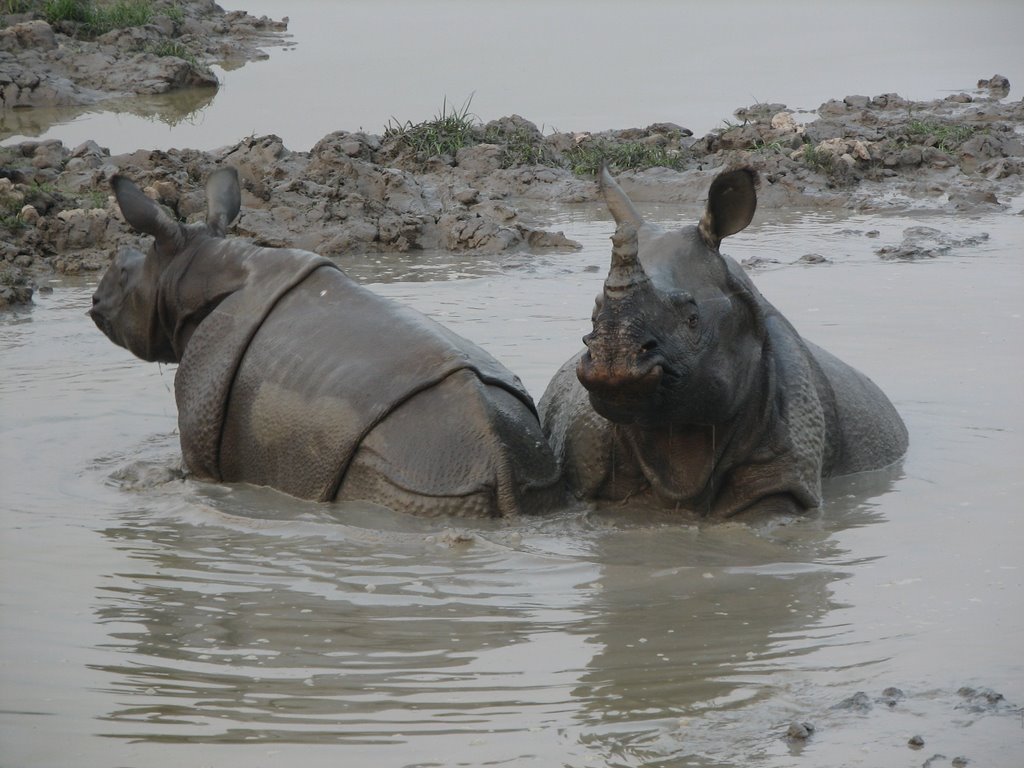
(915, 742)
(813, 258)
(799, 731)
(891, 696)
(759, 111)
(15, 287)
(28, 215)
(980, 699)
(921, 242)
(34, 35)
(998, 86)
(859, 702)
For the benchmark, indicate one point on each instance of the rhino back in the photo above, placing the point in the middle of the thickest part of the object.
(486, 457)
(329, 363)
(865, 430)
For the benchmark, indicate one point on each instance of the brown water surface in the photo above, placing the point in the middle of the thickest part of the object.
(196, 624)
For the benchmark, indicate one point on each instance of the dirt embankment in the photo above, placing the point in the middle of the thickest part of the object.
(79, 55)
(359, 192)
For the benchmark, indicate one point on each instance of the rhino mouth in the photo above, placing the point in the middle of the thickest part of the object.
(102, 322)
(627, 396)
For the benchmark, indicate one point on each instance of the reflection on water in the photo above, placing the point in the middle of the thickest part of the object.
(170, 110)
(190, 623)
(307, 628)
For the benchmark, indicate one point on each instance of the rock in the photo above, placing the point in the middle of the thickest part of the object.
(28, 215)
(34, 35)
(479, 160)
(15, 287)
(784, 121)
(960, 761)
(467, 196)
(980, 699)
(922, 242)
(90, 148)
(812, 258)
(997, 86)
(759, 111)
(538, 238)
(799, 731)
(859, 702)
(669, 129)
(891, 697)
(915, 742)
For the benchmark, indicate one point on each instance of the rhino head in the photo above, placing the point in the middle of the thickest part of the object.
(126, 305)
(676, 331)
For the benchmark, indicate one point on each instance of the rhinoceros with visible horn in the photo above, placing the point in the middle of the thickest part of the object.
(694, 392)
(293, 376)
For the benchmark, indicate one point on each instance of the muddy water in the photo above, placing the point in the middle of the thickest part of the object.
(185, 623)
(576, 65)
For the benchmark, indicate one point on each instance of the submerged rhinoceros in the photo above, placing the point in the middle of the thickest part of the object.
(694, 392)
(293, 376)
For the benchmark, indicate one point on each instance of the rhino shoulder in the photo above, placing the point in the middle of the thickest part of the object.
(595, 461)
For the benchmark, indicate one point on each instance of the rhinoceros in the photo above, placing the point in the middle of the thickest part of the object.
(694, 392)
(293, 376)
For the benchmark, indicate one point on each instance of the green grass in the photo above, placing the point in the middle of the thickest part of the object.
(946, 137)
(445, 134)
(173, 48)
(586, 159)
(93, 199)
(819, 160)
(15, 6)
(768, 147)
(520, 147)
(96, 19)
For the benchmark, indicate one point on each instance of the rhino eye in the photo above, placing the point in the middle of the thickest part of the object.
(692, 320)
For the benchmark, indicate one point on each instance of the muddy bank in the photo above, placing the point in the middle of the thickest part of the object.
(452, 183)
(79, 57)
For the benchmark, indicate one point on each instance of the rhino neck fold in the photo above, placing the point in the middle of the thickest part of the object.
(691, 465)
(217, 344)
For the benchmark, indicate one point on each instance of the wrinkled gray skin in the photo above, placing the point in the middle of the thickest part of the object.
(694, 393)
(291, 375)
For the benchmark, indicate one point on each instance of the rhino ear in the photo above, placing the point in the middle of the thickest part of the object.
(732, 201)
(223, 200)
(145, 216)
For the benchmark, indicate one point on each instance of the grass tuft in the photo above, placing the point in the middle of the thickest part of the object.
(95, 20)
(943, 136)
(587, 158)
(819, 160)
(173, 48)
(445, 134)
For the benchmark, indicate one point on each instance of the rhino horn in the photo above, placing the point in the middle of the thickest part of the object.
(223, 200)
(626, 272)
(621, 207)
(146, 216)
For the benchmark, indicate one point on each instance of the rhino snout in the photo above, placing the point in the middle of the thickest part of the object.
(619, 382)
